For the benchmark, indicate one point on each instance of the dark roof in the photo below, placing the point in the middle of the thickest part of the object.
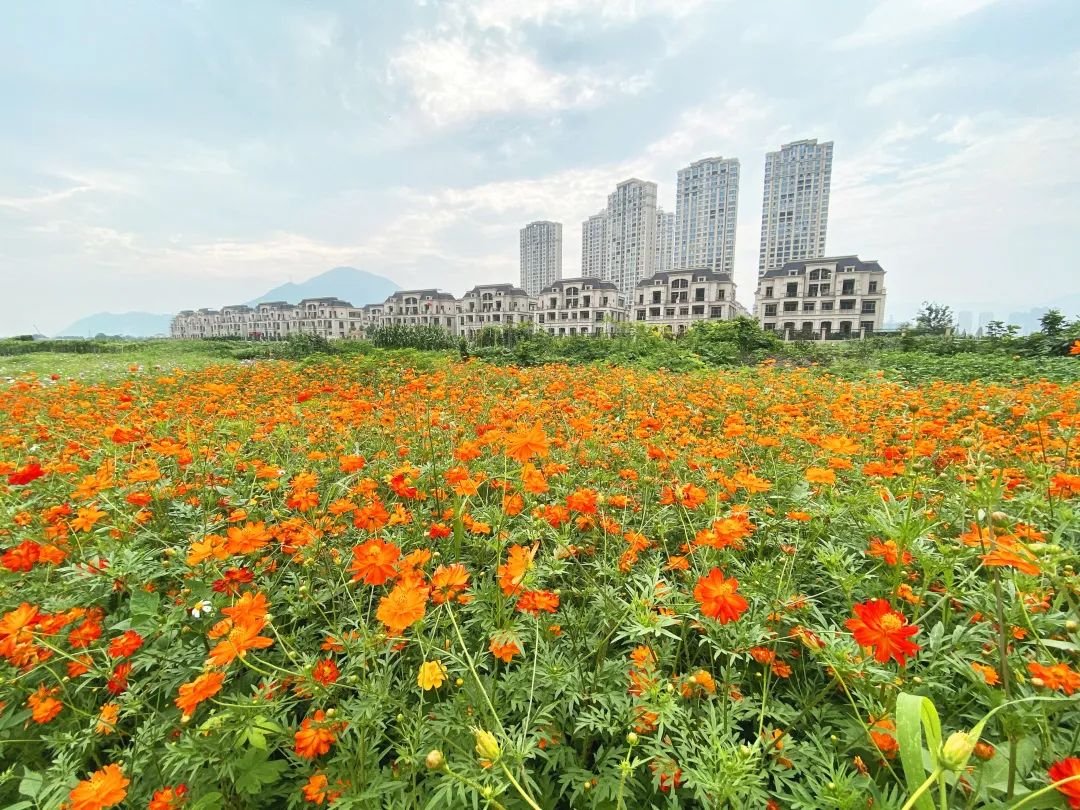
(799, 268)
(326, 300)
(597, 284)
(662, 277)
(431, 293)
(510, 288)
(237, 308)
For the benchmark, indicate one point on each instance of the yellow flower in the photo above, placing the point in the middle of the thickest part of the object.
(431, 675)
(487, 747)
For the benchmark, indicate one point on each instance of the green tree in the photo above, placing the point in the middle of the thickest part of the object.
(935, 318)
(1052, 323)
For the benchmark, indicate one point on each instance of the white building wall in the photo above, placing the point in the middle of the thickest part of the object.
(541, 255)
(631, 237)
(795, 203)
(706, 212)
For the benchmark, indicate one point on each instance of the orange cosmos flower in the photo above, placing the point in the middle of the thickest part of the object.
(202, 688)
(317, 790)
(168, 798)
(104, 788)
(518, 561)
(315, 736)
(1058, 677)
(325, 672)
(887, 551)
(43, 706)
(107, 717)
(820, 475)
(125, 644)
(719, 598)
(1016, 557)
(878, 627)
(989, 674)
(374, 562)
(251, 608)
(536, 601)
(246, 539)
(403, 606)
(524, 443)
(447, 582)
(504, 650)
(1068, 768)
(1075, 349)
(240, 640)
(882, 733)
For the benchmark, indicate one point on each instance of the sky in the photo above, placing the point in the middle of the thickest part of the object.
(162, 155)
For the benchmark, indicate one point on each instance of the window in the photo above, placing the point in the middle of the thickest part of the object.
(847, 303)
(812, 290)
(869, 306)
(792, 289)
(654, 312)
(768, 292)
(641, 314)
(791, 306)
(721, 294)
(656, 296)
(826, 306)
(808, 306)
(771, 327)
(848, 287)
(699, 294)
(697, 310)
(815, 275)
(718, 312)
(825, 289)
(684, 310)
(866, 326)
(826, 326)
(770, 310)
(872, 287)
(669, 312)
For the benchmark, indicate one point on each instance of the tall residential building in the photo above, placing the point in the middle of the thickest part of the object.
(795, 207)
(706, 206)
(665, 235)
(541, 255)
(594, 245)
(631, 234)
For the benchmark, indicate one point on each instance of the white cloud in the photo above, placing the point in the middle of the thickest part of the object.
(458, 78)
(911, 83)
(510, 14)
(892, 20)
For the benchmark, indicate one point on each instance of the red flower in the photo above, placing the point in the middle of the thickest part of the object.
(125, 644)
(878, 627)
(719, 598)
(325, 672)
(24, 476)
(1067, 769)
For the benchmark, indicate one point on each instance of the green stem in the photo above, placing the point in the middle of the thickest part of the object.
(925, 786)
(1043, 791)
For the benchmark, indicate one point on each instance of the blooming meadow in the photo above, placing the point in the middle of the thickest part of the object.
(359, 584)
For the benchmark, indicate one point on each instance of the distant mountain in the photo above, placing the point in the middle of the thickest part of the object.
(358, 287)
(128, 324)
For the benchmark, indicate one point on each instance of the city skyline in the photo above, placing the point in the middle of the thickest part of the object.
(194, 152)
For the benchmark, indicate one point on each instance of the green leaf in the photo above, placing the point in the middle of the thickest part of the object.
(211, 801)
(31, 784)
(914, 716)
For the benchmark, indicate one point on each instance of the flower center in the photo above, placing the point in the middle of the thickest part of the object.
(890, 621)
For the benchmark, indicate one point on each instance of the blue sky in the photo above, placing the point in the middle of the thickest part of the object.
(161, 155)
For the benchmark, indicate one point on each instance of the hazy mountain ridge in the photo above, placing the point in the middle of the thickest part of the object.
(356, 286)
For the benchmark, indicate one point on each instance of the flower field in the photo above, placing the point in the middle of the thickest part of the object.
(448, 585)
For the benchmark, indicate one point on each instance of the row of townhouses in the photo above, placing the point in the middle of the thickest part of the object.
(817, 298)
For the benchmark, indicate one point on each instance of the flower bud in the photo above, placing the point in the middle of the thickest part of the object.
(487, 747)
(435, 759)
(1071, 625)
(957, 750)
(632, 738)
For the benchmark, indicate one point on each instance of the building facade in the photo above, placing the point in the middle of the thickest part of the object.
(494, 305)
(420, 308)
(795, 203)
(580, 306)
(541, 255)
(665, 241)
(631, 234)
(822, 298)
(706, 212)
(676, 300)
(594, 245)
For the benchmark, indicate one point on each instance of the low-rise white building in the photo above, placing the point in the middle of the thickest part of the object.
(580, 306)
(840, 296)
(420, 308)
(494, 305)
(675, 300)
